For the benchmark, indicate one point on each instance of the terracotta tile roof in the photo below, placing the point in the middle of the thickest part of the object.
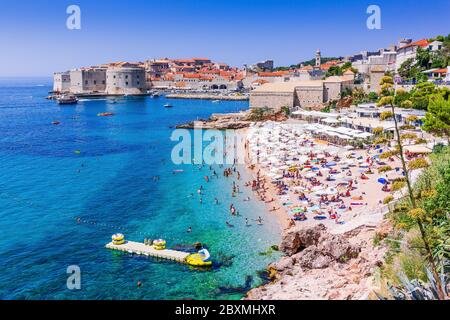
(440, 71)
(191, 75)
(273, 74)
(306, 68)
(419, 43)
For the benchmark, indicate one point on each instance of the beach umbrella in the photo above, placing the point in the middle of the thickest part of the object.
(331, 190)
(321, 192)
(310, 175)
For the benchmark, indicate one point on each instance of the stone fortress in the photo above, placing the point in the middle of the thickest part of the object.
(124, 78)
(303, 86)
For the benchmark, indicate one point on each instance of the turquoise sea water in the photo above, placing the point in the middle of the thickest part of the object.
(110, 185)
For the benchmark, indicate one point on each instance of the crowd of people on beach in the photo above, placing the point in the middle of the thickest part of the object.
(312, 179)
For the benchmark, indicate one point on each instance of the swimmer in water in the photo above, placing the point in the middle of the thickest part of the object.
(229, 225)
(260, 220)
(216, 201)
(246, 222)
(189, 230)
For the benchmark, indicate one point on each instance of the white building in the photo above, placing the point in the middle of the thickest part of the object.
(61, 82)
(409, 51)
(88, 80)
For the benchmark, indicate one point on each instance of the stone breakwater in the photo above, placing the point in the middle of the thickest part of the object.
(321, 265)
(206, 97)
(230, 121)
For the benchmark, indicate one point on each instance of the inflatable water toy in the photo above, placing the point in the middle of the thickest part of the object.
(200, 259)
(159, 244)
(118, 239)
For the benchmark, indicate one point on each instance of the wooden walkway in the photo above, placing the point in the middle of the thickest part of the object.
(142, 249)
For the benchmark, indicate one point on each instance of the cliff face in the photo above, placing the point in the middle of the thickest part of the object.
(320, 265)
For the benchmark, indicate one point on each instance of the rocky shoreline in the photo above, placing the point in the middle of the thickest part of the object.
(230, 121)
(322, 266)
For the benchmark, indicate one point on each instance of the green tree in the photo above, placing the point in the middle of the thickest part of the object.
(421, 93)
(401, 96)
(387, 99)
(372, 96)
(437, 119)
(334, 71)
(423, 58)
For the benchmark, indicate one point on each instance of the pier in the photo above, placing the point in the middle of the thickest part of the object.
(146, 250)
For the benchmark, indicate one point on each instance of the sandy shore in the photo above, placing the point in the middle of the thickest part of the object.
(357, 223)
(269, 192)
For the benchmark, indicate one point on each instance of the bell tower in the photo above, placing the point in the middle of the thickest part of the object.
(318, 58)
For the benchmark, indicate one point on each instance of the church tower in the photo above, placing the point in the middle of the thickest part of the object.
(318, 58)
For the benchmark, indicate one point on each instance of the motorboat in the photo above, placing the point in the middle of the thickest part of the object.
(67, 99)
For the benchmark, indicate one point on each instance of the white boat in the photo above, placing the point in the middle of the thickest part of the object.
(67, 99)
(168, 105)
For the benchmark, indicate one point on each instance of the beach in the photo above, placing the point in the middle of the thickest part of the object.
(342, 182)
(308, 183)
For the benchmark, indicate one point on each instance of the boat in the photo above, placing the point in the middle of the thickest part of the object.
(168, 105)
(156, 95)
(216, 101)
(105, 114)
(67, 99)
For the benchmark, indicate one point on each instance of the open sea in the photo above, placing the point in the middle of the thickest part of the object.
(116, 175)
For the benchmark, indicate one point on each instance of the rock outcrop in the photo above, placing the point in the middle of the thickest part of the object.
(321, 265)
(316, 248)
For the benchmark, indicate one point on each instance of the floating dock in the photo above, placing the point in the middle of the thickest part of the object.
(148, 250)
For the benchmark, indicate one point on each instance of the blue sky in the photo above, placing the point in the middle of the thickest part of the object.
(36, 42)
